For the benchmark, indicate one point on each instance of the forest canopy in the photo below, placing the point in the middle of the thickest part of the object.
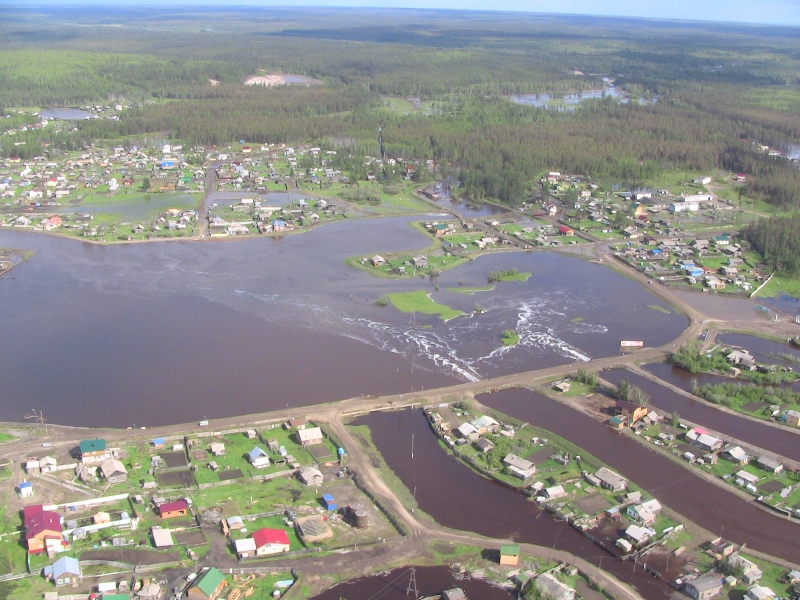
(697, 97)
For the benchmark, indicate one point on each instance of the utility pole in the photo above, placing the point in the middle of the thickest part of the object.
(412, 583)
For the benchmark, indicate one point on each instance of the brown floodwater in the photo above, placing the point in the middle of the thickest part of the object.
(160, 333)
(706, 504)
(430, 581)
(457, 497)
(761, 435)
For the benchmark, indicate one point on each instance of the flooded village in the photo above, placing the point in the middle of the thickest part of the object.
(426, 386)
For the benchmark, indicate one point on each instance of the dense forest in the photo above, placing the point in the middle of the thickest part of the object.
(710, 93)
(778, 240)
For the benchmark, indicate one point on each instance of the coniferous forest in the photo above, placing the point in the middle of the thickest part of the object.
(696, 96)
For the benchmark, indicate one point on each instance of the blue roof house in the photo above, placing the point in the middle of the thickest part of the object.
(258, 458)
(65, 571)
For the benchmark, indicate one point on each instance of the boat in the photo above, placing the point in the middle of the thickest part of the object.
(631, 343)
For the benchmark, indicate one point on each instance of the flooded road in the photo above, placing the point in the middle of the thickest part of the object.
(430, 581)
(762, 435)
(457, 497)
(159, 333)
(676, 487)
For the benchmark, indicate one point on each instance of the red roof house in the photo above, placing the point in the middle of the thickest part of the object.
(170, 510)
(40, 525)
(271, 541)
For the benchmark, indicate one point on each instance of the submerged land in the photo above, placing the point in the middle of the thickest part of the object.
(513, 301)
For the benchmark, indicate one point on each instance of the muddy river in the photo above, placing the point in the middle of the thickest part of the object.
(159, 333)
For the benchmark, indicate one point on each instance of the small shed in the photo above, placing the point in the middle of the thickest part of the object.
(509, 555)
(330, 502)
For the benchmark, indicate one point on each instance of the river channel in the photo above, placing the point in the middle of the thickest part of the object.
(167, 332)
(704, 503)
(457, 497)
(773, 439)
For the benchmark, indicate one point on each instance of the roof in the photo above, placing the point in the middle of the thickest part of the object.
(311, 433)
(256, 453)
(704, 584)
(209, 581)
(245, 545)
(95, 445)
(162, 537)
(608, 476)
(266, 536)
(512, 460)
(509, 550)
(38, 520)
(173, 506)
(64, 565)
(111, 466)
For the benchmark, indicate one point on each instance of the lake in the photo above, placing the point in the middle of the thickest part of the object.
(65, 114)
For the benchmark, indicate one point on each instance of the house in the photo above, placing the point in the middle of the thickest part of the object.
(158, 443)
(750, 571)
(209, 585)
(743, 358)
(552, 589)
(234, 523)
(703, 588)
(217, 449)
(736, 455)
(245, 548)
(759, 592)
(722, 547)
(566, 231)
(162, 538)
(705, 180)
(793, 418)
(378, 260)
(25, 489)
(485, 424)
(420, 261)
(509, 555)
(630, 411)
(93, 451)
(258, 458)
(467, 431)
(554, 493)
(484, 445)
(114, 471)
(48, 464)
(639, 535)
(745, 478)
(65, 571)
(454, 594)
(170, 510)
(610, 480)
(646, 512)
(309, 436)
(700, 438)
(770, 464)
(271, 541)
(616, 423)
(40, 526)
(311, 476)
(519, 467)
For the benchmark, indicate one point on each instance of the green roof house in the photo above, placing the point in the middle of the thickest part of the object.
(208, 585)
(509, 555)
(94, 451)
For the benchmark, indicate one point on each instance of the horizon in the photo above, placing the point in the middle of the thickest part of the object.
(766, 12)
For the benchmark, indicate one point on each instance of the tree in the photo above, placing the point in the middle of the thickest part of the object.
(145, 184)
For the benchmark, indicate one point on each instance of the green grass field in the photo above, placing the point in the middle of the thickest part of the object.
(421, 302)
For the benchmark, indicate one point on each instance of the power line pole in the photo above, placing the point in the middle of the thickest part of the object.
(412, 583)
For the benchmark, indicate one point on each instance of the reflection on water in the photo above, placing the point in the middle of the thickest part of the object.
(65, 114)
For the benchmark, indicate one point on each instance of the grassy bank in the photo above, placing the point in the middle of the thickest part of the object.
(421, 302)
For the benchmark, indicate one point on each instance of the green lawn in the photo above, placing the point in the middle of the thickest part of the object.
(509, 337)
(421, 302)
(469, 291)
(6, 437)
(778, 286)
